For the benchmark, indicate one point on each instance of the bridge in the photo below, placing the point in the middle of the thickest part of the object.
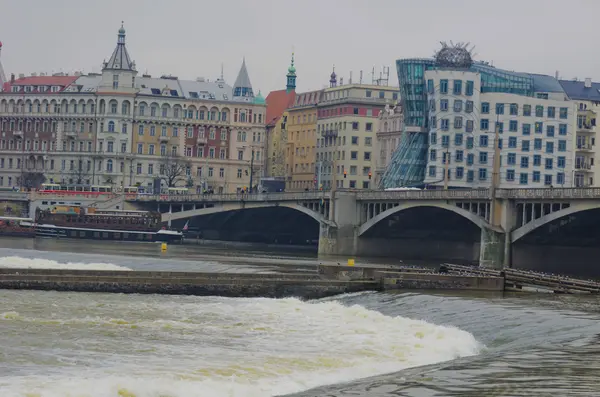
(517, 226)
(539, 229)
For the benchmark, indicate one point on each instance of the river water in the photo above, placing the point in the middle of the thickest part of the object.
(369, 344)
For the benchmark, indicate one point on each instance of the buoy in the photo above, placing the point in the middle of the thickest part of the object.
(163, 247)
(350, 262)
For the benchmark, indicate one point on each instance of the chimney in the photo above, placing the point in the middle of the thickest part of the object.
(588, 83)
(12, 78)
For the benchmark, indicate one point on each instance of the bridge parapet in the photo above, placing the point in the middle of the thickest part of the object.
(374, 195)
(549, 194)
(231, 197)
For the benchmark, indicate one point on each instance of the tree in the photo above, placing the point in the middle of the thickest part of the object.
(33, 180)
(173, 169)
(81, 172)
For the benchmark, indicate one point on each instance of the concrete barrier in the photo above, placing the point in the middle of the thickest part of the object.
(365, 272)
(201, 284)
(398, 280)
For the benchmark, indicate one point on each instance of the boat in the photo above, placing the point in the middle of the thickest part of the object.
(16, 227)
(91, 223)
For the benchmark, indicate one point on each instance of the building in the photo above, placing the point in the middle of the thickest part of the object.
(121, 129)
(452, 107)
(277, 103)
(300, 151)
(347, 117)
(586, 96)
(389, 133)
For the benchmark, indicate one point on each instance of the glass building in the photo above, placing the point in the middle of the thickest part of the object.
(409, 161)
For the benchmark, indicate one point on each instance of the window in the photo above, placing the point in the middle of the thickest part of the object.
(524, 162)
(141, 130)
(524, 146)
(469, 88)
(523, 178)
(432, 170)
(561, 162)
(150, 149)
(483, 157)
(562, 146)
(549, 147)
(511, 159)
(482, 174)
(484, 124)
(512, 142)
(548, 163)
(123, 147)
(433, 138)
(535, 177)
(109, 146)
(369, 127)
(469, 106)
(458, 122)
(353, 155)
(470, 158)
(547, 180)
(445, 141)
(469, 142)
(537, 160)
(539, 127)
(459, 156)
(457, 87)
(483, 141)
(526, 110)
(469, 126)
(445, 125)
(500, 126)
(443, 105)
(513, 126)
(432, 155)
(499, 108)
(564, 113)
(562, 129)
(537, 144)
(560, 178)
(458, 105)
(430, 88)
(550, 131)
(551, 112)
(355, 126)
(526, 129)
(111, 126)
(460, 172)
(152, 130)
(485, 107)
(510, 175)
(539, 111)
(514, 109)
(140, 148)
(458, 140)
(444, 86)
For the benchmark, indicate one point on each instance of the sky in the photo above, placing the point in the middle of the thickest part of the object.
(192, 38)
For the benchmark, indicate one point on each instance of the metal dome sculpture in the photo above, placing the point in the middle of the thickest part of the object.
(455, 56)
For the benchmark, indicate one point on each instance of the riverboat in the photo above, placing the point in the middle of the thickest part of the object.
(16, 227)
(91, 223)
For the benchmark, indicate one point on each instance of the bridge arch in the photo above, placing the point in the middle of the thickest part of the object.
(225, 207)
(544, 220)
(477, 220)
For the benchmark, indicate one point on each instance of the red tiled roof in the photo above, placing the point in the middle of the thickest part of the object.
(277, 102)
(46, 80)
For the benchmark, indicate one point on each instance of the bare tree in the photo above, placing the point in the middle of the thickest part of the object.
(173, 169)
(81, 172)
(32, 179)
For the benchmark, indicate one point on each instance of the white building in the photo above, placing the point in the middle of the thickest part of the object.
(347, 117)
(389, 133)
(536, 130)
(120, 128)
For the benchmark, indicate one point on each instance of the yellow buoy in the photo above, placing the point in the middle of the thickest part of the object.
(163, 247)
(350, 262)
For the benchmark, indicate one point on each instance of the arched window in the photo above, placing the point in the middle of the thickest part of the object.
(111, 126)
(109, 166)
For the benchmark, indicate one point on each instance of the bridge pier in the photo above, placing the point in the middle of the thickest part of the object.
(492, 248)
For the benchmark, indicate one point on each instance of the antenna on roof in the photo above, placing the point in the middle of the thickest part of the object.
(350, 79)
(222, 72)
(360, 80)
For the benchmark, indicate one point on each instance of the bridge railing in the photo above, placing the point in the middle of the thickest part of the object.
(189, 198)
(21, 196)
(550, 193)
(483, 194)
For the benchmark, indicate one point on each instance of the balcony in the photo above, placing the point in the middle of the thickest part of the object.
(71, 134)
(585, 127)
(583, 166)
(163, 138)
(202, 140)
(18, 134)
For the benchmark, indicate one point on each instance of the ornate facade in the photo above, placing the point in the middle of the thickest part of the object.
(118, 128)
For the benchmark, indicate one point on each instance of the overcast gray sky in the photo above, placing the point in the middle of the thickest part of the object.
(191, 38)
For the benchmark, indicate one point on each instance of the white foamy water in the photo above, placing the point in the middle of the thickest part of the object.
(99, 345)
(40, 263)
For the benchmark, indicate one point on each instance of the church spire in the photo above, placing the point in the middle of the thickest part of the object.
(242, 89)
(2, 76)
(291, 77)
(120, 59)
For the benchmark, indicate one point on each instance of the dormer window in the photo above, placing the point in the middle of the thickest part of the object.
(28, 88)
(15, 89)
(54, 89)
(115, 81)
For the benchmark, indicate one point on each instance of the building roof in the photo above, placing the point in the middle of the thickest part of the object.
(46, 81)
(308, 98)
(277, 103)
(578, 90)
(243, 86)
(120, 59)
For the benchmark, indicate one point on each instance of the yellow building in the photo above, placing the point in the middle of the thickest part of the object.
(300, 150)
(277, 138)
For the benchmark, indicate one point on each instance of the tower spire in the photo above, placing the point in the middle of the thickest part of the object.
(120, 59)
(333, 78)
(291, 77)
(242, 89)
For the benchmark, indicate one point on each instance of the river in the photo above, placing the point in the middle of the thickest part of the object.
(369, 344)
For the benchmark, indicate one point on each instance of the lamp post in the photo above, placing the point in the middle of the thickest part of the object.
(251, 170)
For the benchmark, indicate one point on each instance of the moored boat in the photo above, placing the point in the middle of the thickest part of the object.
(90, 223)
(16, 227)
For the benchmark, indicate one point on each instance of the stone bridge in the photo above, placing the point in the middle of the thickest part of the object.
(376, 222)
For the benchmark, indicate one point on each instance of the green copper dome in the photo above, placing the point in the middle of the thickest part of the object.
(259, 99)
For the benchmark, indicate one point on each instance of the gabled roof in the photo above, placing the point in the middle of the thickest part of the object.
(46, 81)
(277, 103)
(120, 60)
(578, 90)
